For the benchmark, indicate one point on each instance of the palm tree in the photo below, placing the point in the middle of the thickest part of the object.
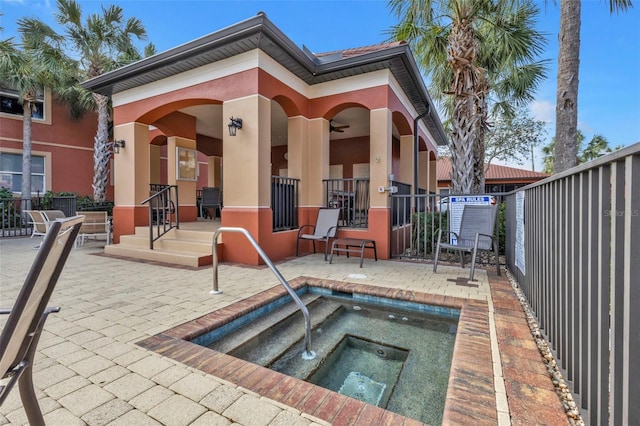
(566, 146)
(596, 147)
(28, 69)
(102, 43)
(473, 51)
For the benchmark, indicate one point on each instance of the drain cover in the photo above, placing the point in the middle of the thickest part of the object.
(359, 386)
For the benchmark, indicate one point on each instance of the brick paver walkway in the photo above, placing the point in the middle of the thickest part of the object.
(89, 369)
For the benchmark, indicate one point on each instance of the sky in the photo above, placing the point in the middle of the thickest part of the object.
(609, 79)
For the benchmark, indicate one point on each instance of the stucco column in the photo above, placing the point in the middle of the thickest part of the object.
(131, 175)
(186, 188)
(317, 161)
(298, 154)
(247, 177)
(154, 164)
(380, 155)
(433, 177)
(424, 168)
(214, 171)
(131, 165)
(405, 174)
(247, 156)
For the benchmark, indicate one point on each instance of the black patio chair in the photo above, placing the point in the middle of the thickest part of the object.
(26, 319)
(210, 199)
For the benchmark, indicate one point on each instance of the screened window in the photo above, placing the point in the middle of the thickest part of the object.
(10, 102)
(11, 172)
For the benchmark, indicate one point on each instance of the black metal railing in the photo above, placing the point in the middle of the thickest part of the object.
(284, 202)
(400, 213)
(13, 223)
(163, 210)
(573, 244)
(352, 197)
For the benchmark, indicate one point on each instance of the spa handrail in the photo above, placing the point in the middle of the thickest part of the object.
(283, 281)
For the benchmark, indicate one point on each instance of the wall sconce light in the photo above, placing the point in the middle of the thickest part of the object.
(117, 145)
(234, 124)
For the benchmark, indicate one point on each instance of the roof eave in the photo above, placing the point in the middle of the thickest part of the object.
(264, 31)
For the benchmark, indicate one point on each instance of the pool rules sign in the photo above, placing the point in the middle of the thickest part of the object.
(456, 205)
(519, 248)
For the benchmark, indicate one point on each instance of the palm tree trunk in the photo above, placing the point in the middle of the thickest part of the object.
(101, 151)
(26, 155)
(566, 138)
(482, 115)
(461, 54)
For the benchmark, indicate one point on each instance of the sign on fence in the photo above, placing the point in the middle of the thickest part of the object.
(456, 206)
(519, 248)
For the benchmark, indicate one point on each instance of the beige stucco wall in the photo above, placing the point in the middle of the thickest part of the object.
(405, 172)
(297, 149)
(186, 188)
(317, 161)
(131, 165)
(247, 156)
(214, 171)
(380, 155)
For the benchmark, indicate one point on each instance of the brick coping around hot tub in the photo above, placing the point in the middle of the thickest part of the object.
(471, 391)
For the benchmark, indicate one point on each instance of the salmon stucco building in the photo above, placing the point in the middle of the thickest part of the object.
(356, 120)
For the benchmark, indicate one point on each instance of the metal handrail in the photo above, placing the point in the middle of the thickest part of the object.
(308, 353)
(159, 202)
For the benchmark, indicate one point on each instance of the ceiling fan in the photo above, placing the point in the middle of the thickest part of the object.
(339, 129)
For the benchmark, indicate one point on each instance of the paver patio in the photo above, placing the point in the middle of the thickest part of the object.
(89, 369)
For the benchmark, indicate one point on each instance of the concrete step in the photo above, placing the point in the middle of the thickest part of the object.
(169, 242)
(233, 341)
(286, 332)
(163, 255)
(143, 231)
(178, 246)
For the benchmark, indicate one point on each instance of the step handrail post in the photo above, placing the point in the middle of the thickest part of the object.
(308, 353)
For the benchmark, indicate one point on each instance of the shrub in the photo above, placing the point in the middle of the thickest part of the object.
(424, 230)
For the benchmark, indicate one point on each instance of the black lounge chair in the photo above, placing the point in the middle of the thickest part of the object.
(21, 332)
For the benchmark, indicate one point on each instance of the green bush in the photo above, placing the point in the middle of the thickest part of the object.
(9, 208)
(424, 231)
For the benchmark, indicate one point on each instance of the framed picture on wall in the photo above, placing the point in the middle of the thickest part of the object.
(186, 164)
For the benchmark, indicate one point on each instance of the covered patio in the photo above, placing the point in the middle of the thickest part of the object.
(342, 129)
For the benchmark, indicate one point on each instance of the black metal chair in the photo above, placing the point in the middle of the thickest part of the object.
(210, 199)
(22, 330)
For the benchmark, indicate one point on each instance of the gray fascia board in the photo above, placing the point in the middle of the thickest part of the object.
(173, 55)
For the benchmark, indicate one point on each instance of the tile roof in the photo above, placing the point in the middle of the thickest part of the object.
(495, 172)
(348, 53)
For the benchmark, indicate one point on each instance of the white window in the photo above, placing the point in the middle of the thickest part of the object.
(10, 103)
(11, 172)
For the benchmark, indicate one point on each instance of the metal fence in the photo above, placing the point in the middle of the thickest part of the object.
(352, 197)
(573, 244)
(13, 223)
(284, 202)
(416, 219)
